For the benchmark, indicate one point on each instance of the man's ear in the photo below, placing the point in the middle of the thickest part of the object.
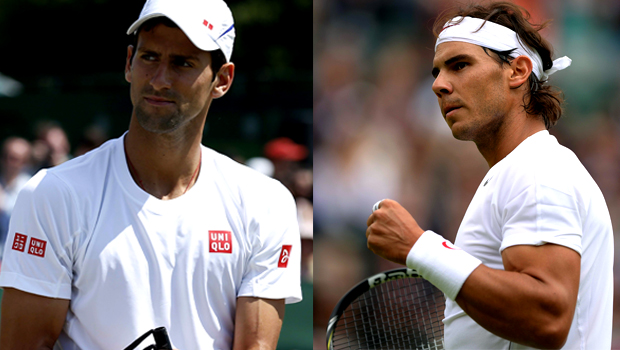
(130, 49)
(223, 80)
(521, 68)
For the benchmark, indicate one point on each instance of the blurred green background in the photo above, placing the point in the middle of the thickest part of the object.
(69, 56)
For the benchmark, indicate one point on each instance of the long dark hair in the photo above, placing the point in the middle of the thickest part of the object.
(541, 99)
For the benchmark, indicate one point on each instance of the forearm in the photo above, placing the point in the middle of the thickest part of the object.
(29, 321)
(13, 341)
(258, 323)
(518, 307)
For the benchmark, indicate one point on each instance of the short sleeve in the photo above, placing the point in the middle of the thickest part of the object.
(274, 269)
(541, 213)
(37, 254)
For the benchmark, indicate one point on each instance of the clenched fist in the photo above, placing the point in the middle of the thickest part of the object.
(392, 231)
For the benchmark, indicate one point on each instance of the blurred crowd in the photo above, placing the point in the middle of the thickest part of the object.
(286, 161)
(21, 158)
(379, 133)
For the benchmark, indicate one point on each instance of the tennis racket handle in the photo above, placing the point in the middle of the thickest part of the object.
(162, 342)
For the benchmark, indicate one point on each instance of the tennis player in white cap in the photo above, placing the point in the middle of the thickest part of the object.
(532, 263)
(153, 229)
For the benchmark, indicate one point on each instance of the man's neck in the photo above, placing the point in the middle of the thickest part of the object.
(511, 134)
(163, 165)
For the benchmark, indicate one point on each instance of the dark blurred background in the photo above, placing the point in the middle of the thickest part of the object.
(69, 56)
(63, 92)
(379, 133)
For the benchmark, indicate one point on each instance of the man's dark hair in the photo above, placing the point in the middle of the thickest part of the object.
(217, 57)
(544, 100)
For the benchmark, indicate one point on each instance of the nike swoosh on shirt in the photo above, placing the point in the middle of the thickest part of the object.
(486, 182)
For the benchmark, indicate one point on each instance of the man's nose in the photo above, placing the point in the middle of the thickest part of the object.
(441, 85)
(161, 77)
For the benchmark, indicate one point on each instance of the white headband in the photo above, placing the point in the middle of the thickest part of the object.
(497, 37)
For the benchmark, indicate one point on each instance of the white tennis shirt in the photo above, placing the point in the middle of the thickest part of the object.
(130, 262)
(540, 193)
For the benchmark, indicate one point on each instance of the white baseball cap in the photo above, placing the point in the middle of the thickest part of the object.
(208, 24)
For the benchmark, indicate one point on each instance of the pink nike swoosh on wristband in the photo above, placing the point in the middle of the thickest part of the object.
(445, 244)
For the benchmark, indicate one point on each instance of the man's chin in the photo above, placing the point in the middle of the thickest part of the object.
(461, 133)
(158, 124)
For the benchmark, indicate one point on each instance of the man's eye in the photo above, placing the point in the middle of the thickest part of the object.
(183, 63)
(148, 57)
(460, 65)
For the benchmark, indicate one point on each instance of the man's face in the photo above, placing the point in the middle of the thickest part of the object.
(472, 90)
(171, 79)
(15, 156)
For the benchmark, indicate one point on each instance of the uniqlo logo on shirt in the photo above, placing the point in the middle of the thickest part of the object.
(37, 247)
(220, 242)
(284, 255)
(19, 242)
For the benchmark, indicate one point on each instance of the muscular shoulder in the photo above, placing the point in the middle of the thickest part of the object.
(72, 184)
(540, 160)
(84, 171)
(543, 174)
(245, 182)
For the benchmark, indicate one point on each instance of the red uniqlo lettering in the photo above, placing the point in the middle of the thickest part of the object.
(220, 242)
(19, 242)
(284, 255)
(37, 247)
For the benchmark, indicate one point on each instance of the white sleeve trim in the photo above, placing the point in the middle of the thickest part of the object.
(536, 239)
(35, 286)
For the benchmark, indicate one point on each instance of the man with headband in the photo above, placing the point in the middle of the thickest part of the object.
(531, 266)
(153, 229)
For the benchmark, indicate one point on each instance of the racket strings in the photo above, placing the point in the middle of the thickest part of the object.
(399, 314)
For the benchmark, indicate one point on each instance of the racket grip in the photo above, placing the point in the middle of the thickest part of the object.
(162, 341)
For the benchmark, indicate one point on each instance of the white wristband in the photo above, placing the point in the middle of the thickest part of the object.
(441, 263)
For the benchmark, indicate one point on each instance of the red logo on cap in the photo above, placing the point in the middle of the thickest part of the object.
(19, 242)
(220, 242)
(37, 247)
(207, 24)
(284, 255)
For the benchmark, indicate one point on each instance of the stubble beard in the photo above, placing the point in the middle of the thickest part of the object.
(486, 129)
(159, 124)
(487, 133)
(159, 121)
(481, 131)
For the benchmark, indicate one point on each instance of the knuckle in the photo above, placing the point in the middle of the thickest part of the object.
(372, 241)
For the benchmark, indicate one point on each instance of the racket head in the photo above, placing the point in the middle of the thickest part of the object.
(395, 309)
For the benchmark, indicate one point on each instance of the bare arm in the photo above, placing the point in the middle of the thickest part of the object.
(30, 321)
(258, 323)
(532, 302)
